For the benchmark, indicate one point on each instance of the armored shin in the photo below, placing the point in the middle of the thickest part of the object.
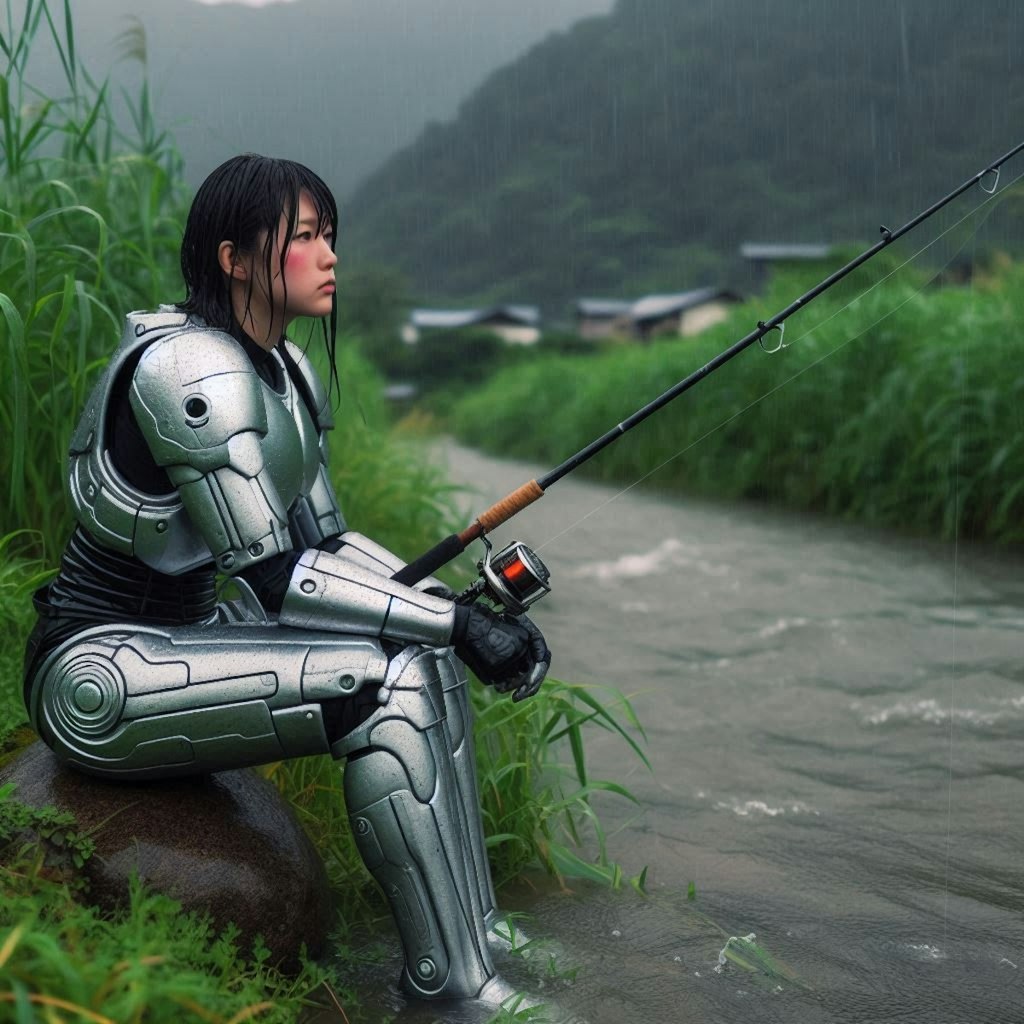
(460, 726)
(417, 832)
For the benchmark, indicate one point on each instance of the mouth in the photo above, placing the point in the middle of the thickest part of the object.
(327, 286)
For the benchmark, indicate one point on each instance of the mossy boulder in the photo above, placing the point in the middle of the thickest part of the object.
(226, 843)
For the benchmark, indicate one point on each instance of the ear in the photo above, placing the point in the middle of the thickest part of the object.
(227, 257)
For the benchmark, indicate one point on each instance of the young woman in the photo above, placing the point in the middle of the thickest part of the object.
(202, 449)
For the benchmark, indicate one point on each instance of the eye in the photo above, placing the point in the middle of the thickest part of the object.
(305, 235)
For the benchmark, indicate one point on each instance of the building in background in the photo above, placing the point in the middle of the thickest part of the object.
(603, 318)
(760, 255)
(681, 313)
(677, 313)
(518, 325)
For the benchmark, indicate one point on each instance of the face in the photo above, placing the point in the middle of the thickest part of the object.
(307, 267)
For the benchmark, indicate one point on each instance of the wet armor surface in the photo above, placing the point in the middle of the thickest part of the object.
(199, 452)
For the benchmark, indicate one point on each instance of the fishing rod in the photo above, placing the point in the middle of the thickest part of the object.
(516, 577)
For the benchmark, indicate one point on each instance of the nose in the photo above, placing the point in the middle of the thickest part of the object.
(328, 257)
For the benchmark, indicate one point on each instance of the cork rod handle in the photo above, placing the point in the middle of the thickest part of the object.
(451, 547)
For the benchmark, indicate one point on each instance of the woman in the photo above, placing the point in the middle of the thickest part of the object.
(202, 449)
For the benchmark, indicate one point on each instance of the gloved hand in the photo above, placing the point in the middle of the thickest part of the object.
(437, 588)
(506, 652)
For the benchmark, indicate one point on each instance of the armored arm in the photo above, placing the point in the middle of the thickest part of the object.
(202, 410)
(200, 407)
(363, 551)
(328, 591)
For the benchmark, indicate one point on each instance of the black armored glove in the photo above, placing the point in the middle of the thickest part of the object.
(506, 652)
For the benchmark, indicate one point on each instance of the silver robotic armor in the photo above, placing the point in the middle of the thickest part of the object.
(131, 701)
(314, 514)
(157, 528)
(249, 465)
(125, 701)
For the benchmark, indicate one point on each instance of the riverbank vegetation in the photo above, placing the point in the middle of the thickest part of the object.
(90, 221)
(897, 403)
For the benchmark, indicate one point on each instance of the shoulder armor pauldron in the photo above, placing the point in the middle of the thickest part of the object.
(193, 393)
(154, 528)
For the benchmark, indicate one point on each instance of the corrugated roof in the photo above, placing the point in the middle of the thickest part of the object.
(784, 251)
(528, 316)
(603, 307)
(443, 317)
(654, 307)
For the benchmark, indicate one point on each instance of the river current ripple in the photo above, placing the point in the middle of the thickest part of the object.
(835, 719)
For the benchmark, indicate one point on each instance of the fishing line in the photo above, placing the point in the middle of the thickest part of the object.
(952, 704)
(970, 213)
(1001, 195)
(953, 663)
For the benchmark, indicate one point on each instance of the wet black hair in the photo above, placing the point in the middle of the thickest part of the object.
(243, 197)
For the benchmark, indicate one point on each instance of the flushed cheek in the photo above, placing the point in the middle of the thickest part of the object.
(296, 260)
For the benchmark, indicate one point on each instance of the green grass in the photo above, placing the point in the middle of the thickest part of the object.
(148, 962)
(90, 223)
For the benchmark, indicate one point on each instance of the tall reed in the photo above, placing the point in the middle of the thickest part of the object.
(90, 222)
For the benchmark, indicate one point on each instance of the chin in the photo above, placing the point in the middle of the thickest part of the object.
(314, 309)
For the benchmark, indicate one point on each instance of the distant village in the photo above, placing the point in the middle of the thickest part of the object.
(675, 314)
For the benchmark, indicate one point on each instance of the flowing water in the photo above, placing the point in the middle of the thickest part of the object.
(835, 721)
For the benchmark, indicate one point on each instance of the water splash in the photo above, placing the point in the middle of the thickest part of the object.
(752, 808)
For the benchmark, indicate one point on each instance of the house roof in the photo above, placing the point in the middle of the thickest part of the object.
(527, 316)
(784, 251)
(654, 307)
(598, 308)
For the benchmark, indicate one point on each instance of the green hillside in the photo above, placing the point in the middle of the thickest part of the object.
(636, 151)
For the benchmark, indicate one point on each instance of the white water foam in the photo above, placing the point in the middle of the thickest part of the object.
(932, 712)
(670, 554)
(780, 626)
(922, 951)
(755, 808)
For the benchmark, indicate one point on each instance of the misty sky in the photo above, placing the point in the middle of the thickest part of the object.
(337, 84)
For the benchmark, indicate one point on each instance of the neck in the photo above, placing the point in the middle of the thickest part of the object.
(256, 321)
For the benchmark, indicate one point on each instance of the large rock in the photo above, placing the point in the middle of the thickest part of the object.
(226, 843)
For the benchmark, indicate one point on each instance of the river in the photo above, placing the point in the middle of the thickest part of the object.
(834, 718)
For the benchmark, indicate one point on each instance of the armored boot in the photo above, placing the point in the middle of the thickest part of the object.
(500, 934)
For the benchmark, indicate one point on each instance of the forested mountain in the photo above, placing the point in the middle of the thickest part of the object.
(636, 151)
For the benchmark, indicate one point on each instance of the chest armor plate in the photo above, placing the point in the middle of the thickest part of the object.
(291, 448)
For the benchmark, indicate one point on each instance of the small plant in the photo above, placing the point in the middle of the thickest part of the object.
(536, 806)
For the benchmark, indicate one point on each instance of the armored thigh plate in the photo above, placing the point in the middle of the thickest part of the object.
(135, 702)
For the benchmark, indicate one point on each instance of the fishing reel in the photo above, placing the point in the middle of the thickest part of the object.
(512, 580)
